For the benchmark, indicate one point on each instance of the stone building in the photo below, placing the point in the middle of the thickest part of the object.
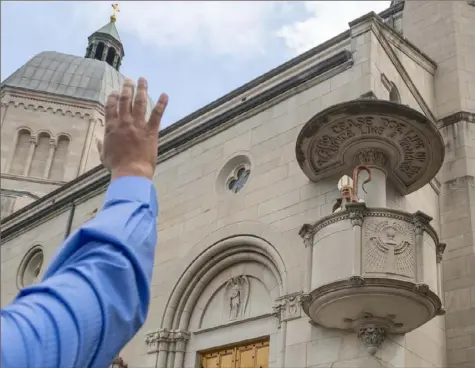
(274, 248)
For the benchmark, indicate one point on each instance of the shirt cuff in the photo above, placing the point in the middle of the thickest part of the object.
(134, 189)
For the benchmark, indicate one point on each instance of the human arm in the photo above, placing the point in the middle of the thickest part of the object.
(95, 294)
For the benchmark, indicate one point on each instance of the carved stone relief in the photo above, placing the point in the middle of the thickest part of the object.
(327, 145)
(236, 297)
(390, 135)
(153, 339)
(372, 156)
(389, 247)
(288, 307)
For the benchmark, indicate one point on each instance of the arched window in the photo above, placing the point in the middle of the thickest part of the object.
(110, 56)
(20, 156)
(40, 156)
(59, 159)
(394, 95)
(99, 51)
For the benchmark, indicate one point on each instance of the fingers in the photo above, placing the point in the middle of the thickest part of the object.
(125, 100)
(140, 103)
(157, 113)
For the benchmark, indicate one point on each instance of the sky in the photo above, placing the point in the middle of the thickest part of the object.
(195, 51)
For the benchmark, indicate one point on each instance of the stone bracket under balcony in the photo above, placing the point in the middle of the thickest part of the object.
(375, 271)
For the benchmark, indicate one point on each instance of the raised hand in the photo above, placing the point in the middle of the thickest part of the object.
(130, 142)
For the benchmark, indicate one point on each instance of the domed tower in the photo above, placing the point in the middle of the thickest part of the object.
(52, 113)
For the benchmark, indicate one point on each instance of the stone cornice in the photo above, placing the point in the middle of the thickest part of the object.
(409, 49)
(385, 44)
(19, 193)
(173, 141)
(33, 180)
(455, 118)
(50, 103)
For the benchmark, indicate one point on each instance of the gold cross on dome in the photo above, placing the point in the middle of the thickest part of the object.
(115, 10)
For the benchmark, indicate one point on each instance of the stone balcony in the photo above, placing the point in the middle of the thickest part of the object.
(373, 270)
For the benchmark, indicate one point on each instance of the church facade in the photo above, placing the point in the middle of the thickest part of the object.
(322, 215)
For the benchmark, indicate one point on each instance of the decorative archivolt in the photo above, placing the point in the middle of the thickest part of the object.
(198, 275)
(43, 106)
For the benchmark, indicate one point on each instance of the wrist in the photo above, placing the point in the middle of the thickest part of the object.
(132, 170)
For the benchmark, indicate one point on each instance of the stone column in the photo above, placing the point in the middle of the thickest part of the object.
(439, 253)
(52, 148)
(116, 59)
(357, 211)
(163, 340)
(420, 221)
(104, 53)
(374, 192)
(308, 234)
(33, 142)
(93, 51)
(181, 338)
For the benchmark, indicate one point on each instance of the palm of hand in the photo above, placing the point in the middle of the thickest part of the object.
(130, 142)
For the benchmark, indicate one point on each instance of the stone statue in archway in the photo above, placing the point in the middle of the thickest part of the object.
(237, 294)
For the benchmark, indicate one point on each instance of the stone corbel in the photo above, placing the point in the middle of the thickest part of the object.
(440, 249)
(289, 307)
(307, 233)
(356, 213)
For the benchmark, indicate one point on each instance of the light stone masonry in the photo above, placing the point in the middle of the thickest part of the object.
(253, 252)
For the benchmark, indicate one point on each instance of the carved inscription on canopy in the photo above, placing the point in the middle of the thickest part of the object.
(330, 140)
(389, 247)
(394, 137)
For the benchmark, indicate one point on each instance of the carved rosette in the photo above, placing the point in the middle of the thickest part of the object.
(393, 137)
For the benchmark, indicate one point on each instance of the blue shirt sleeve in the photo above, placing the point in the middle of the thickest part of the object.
(95, 294)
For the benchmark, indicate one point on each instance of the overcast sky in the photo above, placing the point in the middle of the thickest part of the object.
(195, 51)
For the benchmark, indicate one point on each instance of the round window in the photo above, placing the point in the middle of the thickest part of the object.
(30, 267)
(234, 175)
